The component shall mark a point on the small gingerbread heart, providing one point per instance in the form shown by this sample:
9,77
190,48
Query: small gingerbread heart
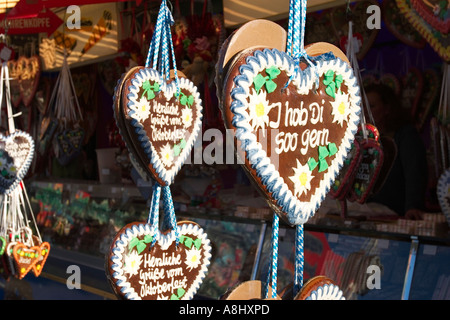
248,290
164,122
148,265
16,154
43,251
25,257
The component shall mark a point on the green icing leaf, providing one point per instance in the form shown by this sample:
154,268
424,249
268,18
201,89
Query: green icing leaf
259,81
182,144
330,90
188,242
140,246
270,86
174,297
183,99
133,243
312,164
190,100
198,243
273,72
332,149
148,238
323,165
176,150
323,152
329,74
338,80
180,292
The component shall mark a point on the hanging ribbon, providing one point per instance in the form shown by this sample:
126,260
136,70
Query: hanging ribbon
272,275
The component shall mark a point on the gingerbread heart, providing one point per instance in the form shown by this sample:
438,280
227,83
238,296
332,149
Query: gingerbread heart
29,77
339,21
147,265
43,251
435,12
165,125
70,144
294,130
399,26
369,166
443,193
347,173
25,257
320,288
16,154
439,41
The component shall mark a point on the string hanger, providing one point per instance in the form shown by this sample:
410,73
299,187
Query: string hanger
161,54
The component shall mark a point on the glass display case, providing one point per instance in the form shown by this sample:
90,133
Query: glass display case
80,219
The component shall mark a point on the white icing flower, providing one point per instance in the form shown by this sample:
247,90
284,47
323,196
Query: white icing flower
141,109
132,263
341,108
186,116
302,179
167,155
193,258
259,110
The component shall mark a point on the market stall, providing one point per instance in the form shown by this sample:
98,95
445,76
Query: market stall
87,182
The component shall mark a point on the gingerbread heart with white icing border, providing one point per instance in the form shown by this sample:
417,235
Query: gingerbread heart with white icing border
43,252
306,124
25,258
16,155
165,126
320,288
144,265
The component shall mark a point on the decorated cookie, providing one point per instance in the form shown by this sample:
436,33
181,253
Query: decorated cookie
161,125
43,251
25,258
29,77
370,164
320,288
16,154
248,290
144,265
294,125
443,193
399,26
435,12
70,143
347,173
438,40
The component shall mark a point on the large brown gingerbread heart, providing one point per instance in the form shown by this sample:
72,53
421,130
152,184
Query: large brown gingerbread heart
29,77
148,265
293,130
161,126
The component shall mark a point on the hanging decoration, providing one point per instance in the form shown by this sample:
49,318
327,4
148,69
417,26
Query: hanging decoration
436,33
359,14
158,113
267,95
22,249
63,122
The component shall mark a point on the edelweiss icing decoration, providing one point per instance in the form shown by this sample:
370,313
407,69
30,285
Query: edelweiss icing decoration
310,121
146,264
166,124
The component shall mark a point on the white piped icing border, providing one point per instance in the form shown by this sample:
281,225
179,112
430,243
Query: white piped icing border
168,90
164,240
297,212
6,187
326,292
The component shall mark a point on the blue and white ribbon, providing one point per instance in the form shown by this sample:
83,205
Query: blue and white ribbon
272,275
161,49
299,259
